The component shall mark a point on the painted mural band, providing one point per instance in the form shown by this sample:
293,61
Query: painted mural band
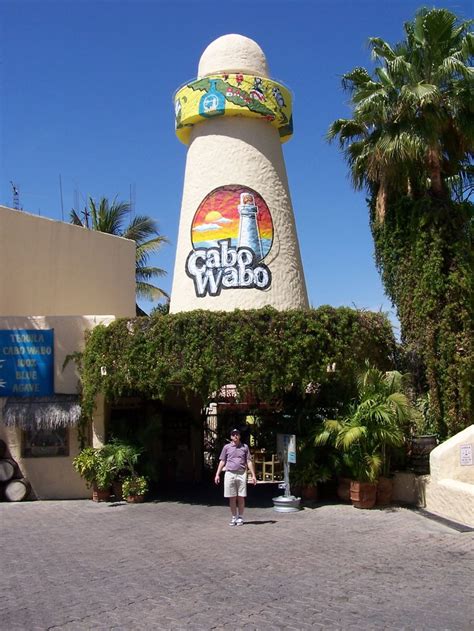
231,234
233,94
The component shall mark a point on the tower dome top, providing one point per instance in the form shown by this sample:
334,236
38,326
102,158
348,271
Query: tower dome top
233,53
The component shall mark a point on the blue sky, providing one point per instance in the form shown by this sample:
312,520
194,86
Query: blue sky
87,91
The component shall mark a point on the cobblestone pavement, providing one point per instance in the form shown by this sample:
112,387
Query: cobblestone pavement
174,565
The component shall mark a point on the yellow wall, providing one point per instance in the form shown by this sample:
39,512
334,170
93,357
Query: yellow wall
54,268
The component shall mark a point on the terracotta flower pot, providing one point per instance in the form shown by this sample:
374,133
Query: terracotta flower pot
384,492
100,495
344,489
363,494
309,492
296,489
135,499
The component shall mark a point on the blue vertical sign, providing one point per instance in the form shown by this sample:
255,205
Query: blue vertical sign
286,447
26,363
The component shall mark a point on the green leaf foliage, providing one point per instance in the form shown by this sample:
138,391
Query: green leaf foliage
376,422
425,256
266,352
410,144
134,485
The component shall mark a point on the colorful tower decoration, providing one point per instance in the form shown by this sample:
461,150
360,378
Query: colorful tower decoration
237,244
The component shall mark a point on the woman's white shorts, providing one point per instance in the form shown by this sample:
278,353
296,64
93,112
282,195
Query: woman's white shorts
235,484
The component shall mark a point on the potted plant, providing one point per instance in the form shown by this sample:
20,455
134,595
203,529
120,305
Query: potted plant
305,478
134,488
374,424
345,472
93,466
122,458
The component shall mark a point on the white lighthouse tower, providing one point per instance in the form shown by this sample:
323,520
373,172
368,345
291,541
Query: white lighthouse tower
237,244
249,236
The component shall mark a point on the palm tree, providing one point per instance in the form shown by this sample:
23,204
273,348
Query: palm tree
412,126
375,422
110,218
410,144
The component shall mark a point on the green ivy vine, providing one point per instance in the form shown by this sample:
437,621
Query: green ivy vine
265,352
424,253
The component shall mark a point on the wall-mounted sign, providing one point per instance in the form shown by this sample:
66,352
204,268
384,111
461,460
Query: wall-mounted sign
26,362
466,455
231,234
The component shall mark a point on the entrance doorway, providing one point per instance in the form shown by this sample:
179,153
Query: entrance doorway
169,435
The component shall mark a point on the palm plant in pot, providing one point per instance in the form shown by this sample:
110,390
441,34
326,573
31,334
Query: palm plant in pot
97,471
123,458
373,425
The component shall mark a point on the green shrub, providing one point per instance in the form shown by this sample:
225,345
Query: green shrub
134,485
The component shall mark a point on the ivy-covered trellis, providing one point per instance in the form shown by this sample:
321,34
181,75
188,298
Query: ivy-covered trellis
266,352
424,253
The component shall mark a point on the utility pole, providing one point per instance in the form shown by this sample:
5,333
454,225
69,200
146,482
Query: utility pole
61,196
86,215
16,196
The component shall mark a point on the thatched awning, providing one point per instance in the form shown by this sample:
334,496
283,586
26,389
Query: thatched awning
60,410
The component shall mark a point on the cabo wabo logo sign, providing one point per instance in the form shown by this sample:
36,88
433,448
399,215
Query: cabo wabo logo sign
231,233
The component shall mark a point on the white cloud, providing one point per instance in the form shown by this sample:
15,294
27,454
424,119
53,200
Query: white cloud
224,220
206,226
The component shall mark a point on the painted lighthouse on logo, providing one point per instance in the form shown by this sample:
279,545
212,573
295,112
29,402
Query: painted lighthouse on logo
237,243
249,236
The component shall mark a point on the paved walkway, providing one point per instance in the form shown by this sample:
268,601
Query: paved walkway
173,565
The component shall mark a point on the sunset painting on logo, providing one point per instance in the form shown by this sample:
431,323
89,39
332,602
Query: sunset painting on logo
217,218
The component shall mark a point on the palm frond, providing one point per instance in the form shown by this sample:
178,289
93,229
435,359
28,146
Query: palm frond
385,79
141,229
146,273
373,466
424,92
107,217
149,291
355,79
380,48
75,219
346,129
350,435
152,245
